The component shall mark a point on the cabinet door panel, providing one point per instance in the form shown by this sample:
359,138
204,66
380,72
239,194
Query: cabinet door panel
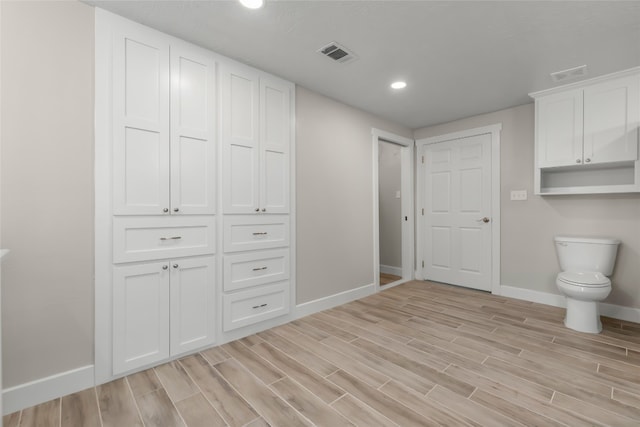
240,100
140,316
559,129
275,120
611,115
140,124
193,131
192,304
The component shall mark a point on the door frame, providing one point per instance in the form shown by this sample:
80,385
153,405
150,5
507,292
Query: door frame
407,209
494,131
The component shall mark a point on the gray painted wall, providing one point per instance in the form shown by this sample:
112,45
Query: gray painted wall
528,258
47,188
334,192
390,207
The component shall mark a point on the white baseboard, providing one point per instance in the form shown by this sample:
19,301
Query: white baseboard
619,312
331,301
42,390
533,296
388,269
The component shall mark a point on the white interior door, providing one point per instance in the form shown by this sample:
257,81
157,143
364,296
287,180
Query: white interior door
457,211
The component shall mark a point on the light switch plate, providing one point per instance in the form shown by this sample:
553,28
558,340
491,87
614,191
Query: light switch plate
518,194
397,194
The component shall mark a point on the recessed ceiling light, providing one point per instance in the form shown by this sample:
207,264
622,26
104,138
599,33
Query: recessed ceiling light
252,4
398,85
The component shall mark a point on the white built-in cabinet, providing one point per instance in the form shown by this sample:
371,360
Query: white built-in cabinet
164,198
193,198
256,146
256,135
161,308
587,136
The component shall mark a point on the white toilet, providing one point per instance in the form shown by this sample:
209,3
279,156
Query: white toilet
585,264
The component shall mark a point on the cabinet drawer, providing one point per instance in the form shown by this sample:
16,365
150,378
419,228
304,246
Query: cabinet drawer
148,238
242,233
258,268
255,305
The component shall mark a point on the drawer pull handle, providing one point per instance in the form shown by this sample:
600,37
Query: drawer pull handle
263,233
260,306
171,238
259,268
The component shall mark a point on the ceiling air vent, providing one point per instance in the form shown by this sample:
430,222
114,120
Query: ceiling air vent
570,74
337,52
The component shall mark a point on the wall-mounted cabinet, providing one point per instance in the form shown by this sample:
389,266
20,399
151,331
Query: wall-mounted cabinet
587,136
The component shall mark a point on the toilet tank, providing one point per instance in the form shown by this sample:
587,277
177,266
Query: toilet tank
586,254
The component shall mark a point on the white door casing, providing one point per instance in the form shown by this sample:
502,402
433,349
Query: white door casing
458,208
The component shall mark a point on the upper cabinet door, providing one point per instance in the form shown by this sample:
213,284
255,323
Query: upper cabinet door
611,115
240,140
559,129
275,136
193,178
140,123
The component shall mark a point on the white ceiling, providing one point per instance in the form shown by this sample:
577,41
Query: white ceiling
458,58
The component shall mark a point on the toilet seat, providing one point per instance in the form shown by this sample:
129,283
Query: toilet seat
588,279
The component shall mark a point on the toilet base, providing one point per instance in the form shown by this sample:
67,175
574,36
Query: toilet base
583,316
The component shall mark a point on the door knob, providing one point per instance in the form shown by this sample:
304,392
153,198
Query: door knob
176,209
485,220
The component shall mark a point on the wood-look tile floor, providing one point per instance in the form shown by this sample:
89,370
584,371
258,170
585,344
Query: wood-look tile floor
417,354
386,278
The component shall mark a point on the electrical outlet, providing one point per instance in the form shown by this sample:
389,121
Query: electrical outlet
518,194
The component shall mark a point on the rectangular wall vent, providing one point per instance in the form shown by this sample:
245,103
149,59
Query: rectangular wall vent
570,74
337,53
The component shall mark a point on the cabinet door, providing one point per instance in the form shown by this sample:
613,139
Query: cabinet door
193,178
240,144
611,115
275,135
140,123
559,129
192,303
140,315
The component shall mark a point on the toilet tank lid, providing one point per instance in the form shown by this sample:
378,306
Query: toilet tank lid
593,240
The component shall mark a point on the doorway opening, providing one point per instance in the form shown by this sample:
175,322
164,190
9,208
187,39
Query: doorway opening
393,209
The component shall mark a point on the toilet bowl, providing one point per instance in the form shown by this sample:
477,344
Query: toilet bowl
586,263
583,291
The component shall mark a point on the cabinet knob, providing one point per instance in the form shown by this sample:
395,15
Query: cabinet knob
578,161
587,160
264,209
165,210
257,209
176,209
164,267
175,265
